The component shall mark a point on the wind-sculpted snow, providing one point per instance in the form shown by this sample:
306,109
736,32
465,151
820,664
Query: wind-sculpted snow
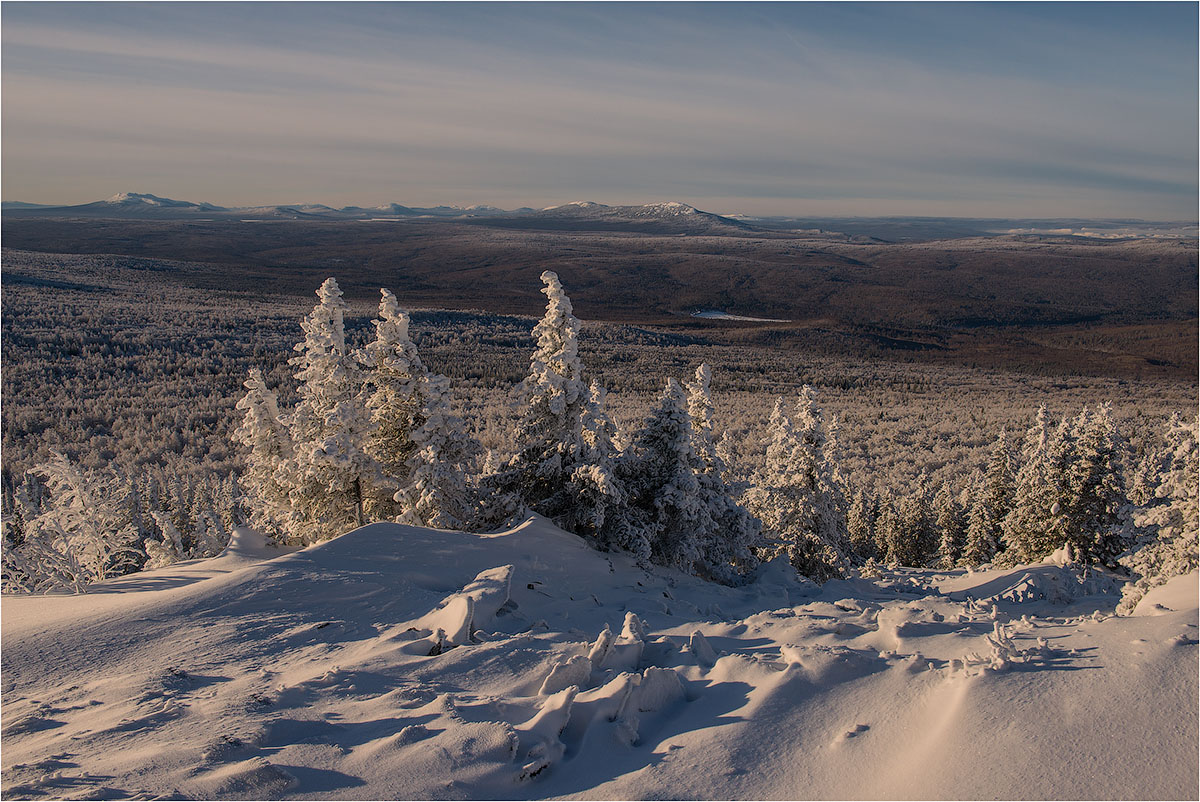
398,662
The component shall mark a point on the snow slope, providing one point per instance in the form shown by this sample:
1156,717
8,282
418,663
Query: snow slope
405,663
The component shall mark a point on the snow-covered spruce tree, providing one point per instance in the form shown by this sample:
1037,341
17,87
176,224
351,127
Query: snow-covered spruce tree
83,534
860,526
438,492
981,544
795,495
553,397
683,514
392,373
888,537
336,485
998,480
599,493
992,501
1170,518
1031,528
424,450
948,522
907,530
269,446
700,410
1094,490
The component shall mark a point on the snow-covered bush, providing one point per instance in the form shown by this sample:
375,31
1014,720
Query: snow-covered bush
86,531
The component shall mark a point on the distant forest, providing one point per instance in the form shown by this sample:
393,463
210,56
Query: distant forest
1053,305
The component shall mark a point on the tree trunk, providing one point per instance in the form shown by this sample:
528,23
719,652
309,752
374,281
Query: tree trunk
358,503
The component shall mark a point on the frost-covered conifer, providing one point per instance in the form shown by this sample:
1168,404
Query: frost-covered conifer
998,480
1029,529
981,545
1170,519
700,410
553,397
269,449
991,503
949,525
683,515
888,535
860,526
905,530
393,374
795,495
1071,491
336,485
438,492
599,493
1094,489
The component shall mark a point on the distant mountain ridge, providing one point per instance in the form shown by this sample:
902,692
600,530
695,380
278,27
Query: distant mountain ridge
659,218
137,205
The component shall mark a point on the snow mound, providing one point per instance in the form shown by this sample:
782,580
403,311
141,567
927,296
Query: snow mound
1051,582
1177,593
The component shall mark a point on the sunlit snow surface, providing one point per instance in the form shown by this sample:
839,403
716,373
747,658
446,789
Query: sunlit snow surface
404,663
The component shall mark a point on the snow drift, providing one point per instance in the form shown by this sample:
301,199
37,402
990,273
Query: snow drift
403,662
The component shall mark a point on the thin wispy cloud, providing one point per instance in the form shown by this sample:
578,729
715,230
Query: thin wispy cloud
1078,110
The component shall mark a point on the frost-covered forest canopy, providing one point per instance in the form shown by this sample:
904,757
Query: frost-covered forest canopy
172,415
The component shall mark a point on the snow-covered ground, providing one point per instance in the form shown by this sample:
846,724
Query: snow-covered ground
397,662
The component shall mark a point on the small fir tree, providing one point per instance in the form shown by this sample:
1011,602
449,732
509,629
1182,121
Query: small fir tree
684,516
439,492
948,522
796,496
269,450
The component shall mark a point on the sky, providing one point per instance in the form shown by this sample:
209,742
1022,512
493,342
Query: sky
934,109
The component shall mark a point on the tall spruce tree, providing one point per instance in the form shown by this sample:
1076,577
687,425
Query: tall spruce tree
1029,530
337,484
438,491
991,503
700,410
393,374
1170,518
418,441
981,545
860,526
1094,489
553,397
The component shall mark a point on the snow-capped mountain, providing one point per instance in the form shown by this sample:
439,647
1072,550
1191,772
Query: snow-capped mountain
670,217
137,199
